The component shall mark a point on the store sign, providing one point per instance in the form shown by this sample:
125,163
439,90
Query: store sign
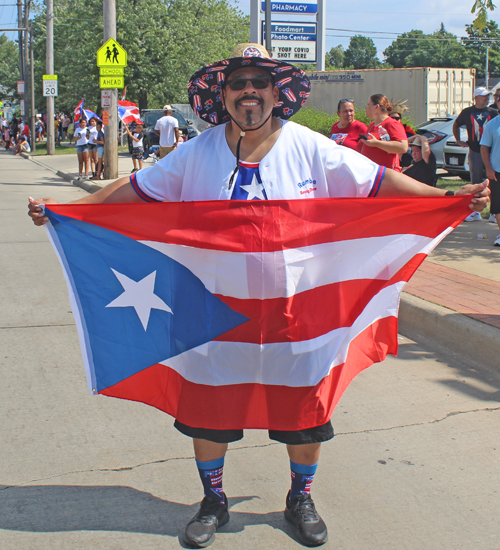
294,42
298,8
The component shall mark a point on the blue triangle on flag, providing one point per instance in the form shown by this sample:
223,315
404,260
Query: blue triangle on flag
118,344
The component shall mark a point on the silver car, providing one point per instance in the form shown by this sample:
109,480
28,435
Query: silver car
456,157
438,131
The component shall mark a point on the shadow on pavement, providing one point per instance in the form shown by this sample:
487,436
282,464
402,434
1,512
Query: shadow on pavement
59,508
469,379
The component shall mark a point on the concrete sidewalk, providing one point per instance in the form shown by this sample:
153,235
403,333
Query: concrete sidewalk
453,299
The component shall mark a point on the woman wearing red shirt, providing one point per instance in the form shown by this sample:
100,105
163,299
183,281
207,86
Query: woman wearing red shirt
346,131
386,136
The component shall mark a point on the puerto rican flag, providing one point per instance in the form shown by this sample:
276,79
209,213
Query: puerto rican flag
242,314
88,114
128,112
79,111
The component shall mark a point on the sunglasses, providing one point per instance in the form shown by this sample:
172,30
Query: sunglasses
257,82
346,101
396,117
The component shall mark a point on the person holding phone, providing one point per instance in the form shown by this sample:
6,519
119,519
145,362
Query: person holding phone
386,138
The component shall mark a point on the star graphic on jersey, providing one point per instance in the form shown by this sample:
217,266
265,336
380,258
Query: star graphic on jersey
480,116
139,295
255,190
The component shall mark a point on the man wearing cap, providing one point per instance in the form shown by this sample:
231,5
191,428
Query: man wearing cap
474,118
254,153
423,167
167,127
490,152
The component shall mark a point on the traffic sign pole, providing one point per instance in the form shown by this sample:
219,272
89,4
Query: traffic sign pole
111,130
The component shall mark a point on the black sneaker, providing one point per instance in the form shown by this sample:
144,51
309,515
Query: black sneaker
310,528
200,531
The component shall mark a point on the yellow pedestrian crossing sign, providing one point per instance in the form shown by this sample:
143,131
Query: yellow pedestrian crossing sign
111,54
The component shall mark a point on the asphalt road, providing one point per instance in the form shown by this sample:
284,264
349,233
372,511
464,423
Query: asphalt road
414,464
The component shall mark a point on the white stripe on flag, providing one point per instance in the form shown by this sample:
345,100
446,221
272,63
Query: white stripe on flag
289,272
294,364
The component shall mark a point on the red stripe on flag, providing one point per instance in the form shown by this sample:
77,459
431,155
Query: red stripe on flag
257,406
261,226
311,313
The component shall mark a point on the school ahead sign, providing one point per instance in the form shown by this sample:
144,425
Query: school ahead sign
111,54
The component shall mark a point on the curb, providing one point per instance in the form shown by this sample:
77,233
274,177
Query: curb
465,337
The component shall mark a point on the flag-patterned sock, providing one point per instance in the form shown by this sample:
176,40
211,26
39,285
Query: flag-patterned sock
302,478
211,477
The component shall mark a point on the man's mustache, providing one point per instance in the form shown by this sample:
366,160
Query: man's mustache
249,98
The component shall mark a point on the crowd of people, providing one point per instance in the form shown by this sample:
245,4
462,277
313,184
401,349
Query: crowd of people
391,143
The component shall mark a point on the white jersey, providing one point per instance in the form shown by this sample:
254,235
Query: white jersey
166,125
301,164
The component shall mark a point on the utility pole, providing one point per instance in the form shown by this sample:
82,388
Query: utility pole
20,41
49,67
27,110
486,69
111,130
267,19
32,93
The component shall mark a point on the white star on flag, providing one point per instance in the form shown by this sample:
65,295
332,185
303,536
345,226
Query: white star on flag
255,190
139,295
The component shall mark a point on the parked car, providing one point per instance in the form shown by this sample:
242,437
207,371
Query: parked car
150,117
438,130
456,157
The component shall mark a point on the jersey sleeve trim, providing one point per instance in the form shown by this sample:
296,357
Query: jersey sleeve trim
139,191
378,180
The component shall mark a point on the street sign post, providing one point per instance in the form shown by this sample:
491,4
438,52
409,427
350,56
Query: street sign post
294,42
50,85
306,7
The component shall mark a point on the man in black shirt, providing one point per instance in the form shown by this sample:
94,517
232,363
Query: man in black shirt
474,118
423,167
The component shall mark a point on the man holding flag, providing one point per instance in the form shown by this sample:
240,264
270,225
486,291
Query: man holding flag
254,154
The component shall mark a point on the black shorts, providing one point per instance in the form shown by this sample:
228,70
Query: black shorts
495,195
317,434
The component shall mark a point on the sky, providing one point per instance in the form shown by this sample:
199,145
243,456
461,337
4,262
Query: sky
381,21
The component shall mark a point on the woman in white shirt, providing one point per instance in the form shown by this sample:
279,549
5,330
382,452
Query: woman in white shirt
82,135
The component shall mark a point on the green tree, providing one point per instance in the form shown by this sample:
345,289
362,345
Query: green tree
476,44
361,53
9,68
416,49
480,8
166,41
334,59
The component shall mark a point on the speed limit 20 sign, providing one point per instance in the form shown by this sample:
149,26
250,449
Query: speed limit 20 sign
50,85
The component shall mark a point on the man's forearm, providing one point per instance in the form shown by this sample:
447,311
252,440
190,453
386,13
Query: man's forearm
121,191
396,184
